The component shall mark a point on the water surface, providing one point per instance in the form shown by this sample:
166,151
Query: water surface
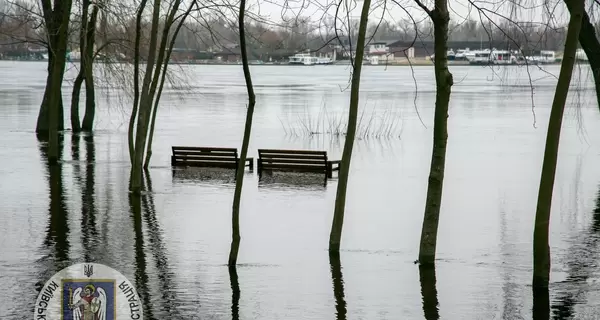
173,242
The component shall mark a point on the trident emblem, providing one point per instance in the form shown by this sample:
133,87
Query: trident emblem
88,270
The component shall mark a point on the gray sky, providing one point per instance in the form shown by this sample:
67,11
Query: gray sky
535,11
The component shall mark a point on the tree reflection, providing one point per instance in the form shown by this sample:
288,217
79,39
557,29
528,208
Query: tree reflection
57,232
541,303
582,264
235,292
141,276
429,292
88,206
158,250
338,285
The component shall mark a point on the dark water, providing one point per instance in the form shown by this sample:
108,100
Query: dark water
173,241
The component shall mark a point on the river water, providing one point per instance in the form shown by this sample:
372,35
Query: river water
173,243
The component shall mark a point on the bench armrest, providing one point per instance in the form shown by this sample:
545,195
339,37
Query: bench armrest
334,161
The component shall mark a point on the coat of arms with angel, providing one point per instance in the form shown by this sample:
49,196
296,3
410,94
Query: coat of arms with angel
87,303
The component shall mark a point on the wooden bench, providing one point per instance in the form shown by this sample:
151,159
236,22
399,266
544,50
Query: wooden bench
296,160
207,157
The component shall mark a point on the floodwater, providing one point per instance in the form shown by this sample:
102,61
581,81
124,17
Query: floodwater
173,242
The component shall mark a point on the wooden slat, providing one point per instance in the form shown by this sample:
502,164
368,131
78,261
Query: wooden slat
292,156
206,149
204,157
279,151
218,153
189,158
298,161
298,167
207,164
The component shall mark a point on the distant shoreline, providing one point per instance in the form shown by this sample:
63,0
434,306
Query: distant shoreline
404,63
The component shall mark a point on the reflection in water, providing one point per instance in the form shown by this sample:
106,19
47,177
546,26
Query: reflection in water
57,236
511,308
541,304
141,276
338,285
165,277
293,180
429,292
582,264
88,208
211,175
235,293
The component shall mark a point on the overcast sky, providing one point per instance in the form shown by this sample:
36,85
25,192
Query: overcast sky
526,11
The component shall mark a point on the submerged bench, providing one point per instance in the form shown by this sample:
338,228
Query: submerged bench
296,160
207,157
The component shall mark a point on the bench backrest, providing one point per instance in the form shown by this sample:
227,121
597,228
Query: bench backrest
190,154
309,158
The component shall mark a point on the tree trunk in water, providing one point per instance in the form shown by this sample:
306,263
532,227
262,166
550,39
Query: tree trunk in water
541,249
165,63
239,175
590,44
43,125
136,80
88,65
340,199
145,106
75,121
75,126
443,81
55,77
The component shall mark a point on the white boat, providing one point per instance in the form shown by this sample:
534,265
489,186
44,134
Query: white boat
493,56
307,59
545,56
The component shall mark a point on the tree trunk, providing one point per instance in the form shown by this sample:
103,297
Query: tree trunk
88,65
590,44
57,22
340,199
75,121
165,63
42,128
443,81
541,248
75,125
144,107
43,124
55,94
136,79
239,176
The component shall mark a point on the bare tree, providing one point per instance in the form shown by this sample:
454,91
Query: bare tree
50,118
541,248
239,179
590,44
340,198
443,79
87,35
148,96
